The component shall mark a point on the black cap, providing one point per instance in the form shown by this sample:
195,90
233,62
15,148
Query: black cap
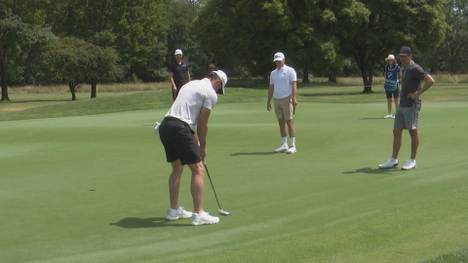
405,50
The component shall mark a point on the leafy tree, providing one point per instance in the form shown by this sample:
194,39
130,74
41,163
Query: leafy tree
452,54
137,29
76,61
369,29
244,32
19,42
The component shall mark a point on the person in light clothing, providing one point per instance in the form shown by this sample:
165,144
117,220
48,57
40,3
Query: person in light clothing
183,134
392,76
283,88
415,82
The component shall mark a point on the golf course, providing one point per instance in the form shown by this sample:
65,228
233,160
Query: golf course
87,181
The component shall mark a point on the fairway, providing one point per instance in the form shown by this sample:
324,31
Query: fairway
93,188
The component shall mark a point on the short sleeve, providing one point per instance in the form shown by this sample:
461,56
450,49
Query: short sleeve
419,73
210,100
271,78
292,75
170,68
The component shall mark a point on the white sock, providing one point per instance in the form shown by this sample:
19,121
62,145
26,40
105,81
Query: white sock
284,140
293,141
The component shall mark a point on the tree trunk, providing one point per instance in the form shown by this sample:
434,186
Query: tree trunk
332,77
3,81
72,87
366,71
93,89
305,75
367,79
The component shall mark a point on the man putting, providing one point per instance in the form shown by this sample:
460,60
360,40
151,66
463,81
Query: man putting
283,87
189,113
407,115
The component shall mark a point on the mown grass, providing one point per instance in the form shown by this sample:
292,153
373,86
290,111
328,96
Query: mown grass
54,101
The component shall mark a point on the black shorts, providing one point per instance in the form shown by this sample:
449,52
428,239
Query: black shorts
179,141
395,94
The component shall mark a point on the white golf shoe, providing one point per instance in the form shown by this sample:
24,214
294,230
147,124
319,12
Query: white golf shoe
283,148
203,218
390,163
174,214
292,150
388,116
410,164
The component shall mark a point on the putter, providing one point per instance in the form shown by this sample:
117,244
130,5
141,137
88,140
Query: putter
220,209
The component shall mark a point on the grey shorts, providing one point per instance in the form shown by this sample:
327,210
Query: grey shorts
407,117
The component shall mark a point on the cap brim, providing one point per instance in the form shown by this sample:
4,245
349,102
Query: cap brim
277,59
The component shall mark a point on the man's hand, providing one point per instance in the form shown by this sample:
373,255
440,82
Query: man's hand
294,104
414,96
268,106
203,154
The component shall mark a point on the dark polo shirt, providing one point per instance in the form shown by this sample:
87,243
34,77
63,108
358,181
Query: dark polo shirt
413,75
179,72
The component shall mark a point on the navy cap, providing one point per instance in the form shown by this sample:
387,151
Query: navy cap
405,50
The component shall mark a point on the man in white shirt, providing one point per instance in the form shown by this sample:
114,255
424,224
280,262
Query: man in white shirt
189,113
283,87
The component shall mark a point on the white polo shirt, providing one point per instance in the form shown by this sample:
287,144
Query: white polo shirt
281,80
192,97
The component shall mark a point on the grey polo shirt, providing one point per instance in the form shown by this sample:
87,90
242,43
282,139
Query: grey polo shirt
413,75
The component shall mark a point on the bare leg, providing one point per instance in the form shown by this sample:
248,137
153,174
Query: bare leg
174,183
396,142
291,129
414,143
397,103
197,186
389,105
282,127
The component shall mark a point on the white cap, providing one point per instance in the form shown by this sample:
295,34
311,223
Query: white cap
223,78
279,56
390,57
178,52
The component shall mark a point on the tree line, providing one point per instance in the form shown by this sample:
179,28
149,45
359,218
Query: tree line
95,41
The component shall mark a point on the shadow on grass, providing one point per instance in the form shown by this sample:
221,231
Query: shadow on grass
253,153
369,170
136,222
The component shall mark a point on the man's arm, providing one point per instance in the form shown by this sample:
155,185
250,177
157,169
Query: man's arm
270,96
293,94
171,79
202,130
427,84
188,76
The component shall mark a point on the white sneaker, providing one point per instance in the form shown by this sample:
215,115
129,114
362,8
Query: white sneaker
283,148
291,150
393,116
204,218
410,164
388,116
174,214
390,163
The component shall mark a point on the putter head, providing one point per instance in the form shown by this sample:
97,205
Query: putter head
223,212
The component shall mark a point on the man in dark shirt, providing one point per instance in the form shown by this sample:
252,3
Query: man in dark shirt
415,82
178,74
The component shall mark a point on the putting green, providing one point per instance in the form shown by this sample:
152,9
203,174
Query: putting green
94,189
